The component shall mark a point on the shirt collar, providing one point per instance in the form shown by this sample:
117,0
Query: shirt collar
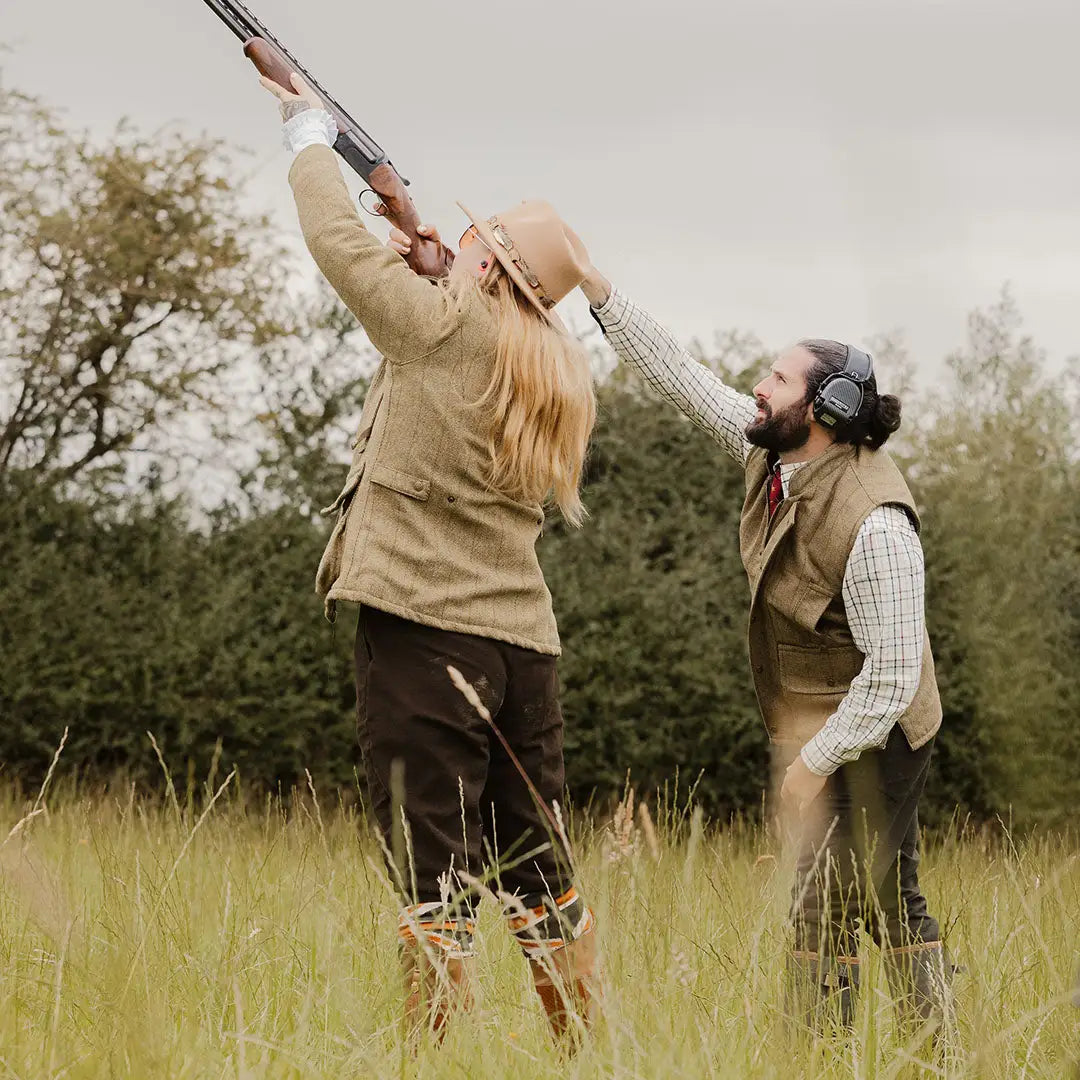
786,472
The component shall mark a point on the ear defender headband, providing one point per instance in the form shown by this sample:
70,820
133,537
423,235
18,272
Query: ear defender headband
840,396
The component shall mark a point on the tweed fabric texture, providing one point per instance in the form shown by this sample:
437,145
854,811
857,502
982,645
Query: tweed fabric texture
802,654
420,533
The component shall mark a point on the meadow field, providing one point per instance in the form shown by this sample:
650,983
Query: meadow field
203,937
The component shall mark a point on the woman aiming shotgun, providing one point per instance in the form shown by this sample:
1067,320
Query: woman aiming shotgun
480,412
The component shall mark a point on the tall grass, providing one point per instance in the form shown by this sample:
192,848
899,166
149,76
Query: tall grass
219,939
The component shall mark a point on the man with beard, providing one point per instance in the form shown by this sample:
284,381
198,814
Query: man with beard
841,661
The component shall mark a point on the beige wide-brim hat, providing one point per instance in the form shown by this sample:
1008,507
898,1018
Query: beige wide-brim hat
544,257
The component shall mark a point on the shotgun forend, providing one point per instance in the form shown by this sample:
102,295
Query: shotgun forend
360,151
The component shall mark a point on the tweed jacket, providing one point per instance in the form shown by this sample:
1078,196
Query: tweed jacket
419,531
802,654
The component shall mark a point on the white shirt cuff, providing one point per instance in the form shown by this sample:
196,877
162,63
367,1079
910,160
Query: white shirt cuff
312,127
817,759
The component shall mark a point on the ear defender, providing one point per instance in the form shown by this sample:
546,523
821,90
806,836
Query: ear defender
840,397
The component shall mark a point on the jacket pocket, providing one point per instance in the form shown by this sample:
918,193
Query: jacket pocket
801,602
808,670
401,482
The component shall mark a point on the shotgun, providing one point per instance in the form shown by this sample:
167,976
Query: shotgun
360,151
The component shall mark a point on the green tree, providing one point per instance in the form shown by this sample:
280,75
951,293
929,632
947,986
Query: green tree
131,283
311,387
135,295
997,469
120,622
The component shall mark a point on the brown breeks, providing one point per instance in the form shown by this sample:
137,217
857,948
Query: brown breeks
859,861
465,803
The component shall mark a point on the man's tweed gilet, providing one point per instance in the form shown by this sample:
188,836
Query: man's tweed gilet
802,655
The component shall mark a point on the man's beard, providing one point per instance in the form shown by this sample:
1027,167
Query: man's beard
782,431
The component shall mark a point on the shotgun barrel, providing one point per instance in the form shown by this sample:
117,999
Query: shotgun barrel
354,144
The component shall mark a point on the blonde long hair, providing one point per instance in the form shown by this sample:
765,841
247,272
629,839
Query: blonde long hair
540,402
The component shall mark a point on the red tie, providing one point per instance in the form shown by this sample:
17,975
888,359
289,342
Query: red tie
776,492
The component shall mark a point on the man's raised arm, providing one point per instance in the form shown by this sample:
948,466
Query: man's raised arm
654,353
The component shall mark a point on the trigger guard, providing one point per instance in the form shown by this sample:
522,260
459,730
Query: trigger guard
370,209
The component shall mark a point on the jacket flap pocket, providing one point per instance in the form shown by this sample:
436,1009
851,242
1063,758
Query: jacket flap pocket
401,482
805,670
800,602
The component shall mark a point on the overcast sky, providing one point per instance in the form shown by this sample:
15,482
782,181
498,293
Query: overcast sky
829,169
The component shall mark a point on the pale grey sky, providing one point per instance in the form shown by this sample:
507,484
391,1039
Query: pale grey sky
834,169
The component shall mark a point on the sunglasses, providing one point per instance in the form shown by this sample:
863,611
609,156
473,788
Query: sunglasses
469,236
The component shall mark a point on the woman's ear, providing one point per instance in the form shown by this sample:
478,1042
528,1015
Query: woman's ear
489,271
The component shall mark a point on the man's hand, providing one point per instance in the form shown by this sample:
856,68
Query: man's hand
596,288
291,104
801,786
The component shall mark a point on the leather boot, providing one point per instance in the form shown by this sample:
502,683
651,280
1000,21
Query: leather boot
435,988
920,979
820,990
566,983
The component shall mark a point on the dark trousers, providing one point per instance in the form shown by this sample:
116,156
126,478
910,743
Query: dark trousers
858,862
463,798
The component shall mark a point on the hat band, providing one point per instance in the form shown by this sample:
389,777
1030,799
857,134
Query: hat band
506,242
